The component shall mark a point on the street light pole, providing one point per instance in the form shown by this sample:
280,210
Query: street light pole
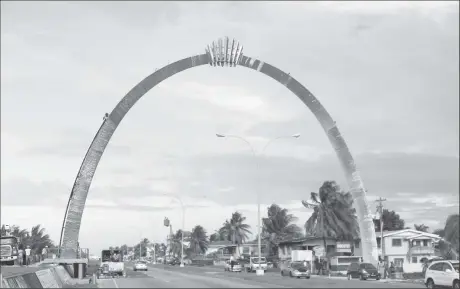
259,242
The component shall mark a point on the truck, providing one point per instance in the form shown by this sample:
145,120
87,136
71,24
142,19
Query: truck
255,265
112,264
9,250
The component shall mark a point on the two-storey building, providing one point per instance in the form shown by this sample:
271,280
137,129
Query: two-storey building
405,247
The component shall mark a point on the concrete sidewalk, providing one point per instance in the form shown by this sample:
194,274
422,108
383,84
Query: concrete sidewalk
415,281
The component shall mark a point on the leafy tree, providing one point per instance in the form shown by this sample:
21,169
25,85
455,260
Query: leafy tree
177,243
421,227
141,248
199,240
439,232
124,249
391,221
452,231
278,226
236,230
333,215
163,249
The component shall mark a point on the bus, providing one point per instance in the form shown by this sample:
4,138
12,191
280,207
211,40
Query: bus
339,264
9,250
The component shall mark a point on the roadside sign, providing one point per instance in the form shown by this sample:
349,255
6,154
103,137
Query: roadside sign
343,247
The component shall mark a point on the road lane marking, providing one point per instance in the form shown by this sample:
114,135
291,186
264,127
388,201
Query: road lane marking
115,283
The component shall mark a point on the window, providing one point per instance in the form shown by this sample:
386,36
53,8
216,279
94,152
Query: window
354,266
425,243
436,267
379,243
446,266
417,243
357,244
396,242
414,259
399,262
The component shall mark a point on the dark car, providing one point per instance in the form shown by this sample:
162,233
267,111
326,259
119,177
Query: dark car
362,271
174,262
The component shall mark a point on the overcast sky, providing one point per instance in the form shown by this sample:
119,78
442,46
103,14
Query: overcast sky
386,72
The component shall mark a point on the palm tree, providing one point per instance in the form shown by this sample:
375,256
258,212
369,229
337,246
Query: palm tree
38,239
333,215
199,240
236,230
421,227
217,236
278,226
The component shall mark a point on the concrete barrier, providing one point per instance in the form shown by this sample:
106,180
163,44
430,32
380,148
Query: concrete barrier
55,277
47,278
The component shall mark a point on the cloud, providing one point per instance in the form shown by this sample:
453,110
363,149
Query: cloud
375,73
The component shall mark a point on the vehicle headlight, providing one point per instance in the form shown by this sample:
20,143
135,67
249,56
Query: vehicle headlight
364,272
295,271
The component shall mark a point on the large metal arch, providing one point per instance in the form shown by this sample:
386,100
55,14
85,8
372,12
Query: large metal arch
75,207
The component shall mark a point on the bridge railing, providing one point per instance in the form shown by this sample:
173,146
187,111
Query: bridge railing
53,253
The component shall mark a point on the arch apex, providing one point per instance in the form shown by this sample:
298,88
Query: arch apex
224,52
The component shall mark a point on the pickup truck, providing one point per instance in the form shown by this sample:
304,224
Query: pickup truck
112,264
254,264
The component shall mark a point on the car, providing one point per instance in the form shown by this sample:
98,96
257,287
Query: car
140,266
297,269
174,262
236,266
362,271
254,265
443,273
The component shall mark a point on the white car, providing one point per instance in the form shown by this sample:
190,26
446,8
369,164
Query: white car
140,266
236,266
443,273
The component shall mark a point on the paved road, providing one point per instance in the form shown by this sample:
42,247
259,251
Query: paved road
160,276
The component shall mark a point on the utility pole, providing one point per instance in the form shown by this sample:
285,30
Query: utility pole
140,250
380,210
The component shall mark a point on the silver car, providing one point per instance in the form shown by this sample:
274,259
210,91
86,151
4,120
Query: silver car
297,269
